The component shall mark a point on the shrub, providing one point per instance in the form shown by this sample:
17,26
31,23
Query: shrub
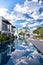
2,37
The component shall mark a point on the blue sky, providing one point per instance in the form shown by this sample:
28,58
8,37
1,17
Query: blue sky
10,4
23,12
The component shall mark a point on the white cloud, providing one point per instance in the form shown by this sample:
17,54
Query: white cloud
35,0
26,8
41,22
13,17
17,16
21,9
42,14
3,12
29,7
34,28
28,19
35,15
40,2
24,24
34,24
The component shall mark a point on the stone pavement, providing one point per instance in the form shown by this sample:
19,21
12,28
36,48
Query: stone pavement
38,44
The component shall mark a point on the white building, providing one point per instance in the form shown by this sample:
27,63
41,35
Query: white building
6,27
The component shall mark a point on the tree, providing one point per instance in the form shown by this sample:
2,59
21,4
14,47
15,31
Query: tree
39,31
22,33
36,31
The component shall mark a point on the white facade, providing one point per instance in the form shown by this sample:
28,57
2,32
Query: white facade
5,26
0,23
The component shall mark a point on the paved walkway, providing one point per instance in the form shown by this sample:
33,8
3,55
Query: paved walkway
38,44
